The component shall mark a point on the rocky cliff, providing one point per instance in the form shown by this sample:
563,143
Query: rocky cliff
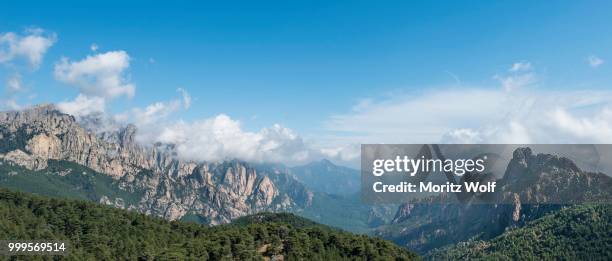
170,187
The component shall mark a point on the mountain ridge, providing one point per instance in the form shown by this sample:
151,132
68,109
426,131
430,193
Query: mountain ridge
219,191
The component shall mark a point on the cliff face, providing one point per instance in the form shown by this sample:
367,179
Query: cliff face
170,187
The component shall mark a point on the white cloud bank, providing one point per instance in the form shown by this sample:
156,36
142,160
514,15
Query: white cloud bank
221,138
480,115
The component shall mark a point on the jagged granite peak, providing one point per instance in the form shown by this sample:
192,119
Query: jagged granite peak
545,178
170,187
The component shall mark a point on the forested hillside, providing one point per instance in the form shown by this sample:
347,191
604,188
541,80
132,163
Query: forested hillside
100,232
576,233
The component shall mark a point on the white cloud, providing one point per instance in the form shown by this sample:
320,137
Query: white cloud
12,104
156,114
463,136
478,115
213,139
520,66
221,138
520,75
344,153
418,117
101,75
186,98
14,84
30,46
26,49
93,47
596,127
514,82
594,61
83,105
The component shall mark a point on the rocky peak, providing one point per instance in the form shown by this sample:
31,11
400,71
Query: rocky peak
545,178
525,164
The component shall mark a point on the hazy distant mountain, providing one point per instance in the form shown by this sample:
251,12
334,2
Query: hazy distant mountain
324,176
535,179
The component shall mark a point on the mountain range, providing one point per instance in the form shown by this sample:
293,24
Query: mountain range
58,154
50,153
159,183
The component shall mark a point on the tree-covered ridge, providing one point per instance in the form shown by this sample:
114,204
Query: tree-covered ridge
582,232
104,233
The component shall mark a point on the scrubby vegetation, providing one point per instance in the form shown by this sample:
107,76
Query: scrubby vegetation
576,233
102,233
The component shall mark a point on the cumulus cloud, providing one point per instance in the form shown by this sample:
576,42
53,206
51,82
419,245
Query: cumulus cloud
222,138
594,61
27,48
100,75
30,46
216,138
83,105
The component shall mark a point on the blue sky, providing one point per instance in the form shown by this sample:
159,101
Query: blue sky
310,65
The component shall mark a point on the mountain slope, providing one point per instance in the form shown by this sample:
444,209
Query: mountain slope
577,233
100,232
